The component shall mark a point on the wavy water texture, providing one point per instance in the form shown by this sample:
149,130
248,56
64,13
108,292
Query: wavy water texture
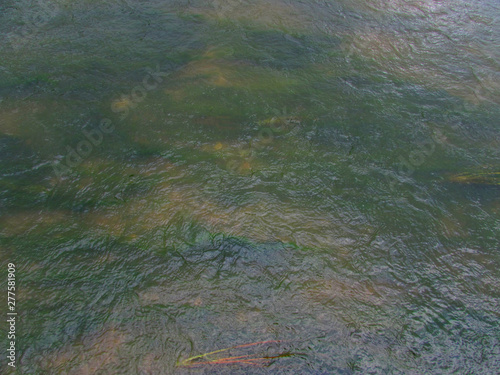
321,177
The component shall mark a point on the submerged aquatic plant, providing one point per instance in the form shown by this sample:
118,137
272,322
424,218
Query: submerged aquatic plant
248,359
479,178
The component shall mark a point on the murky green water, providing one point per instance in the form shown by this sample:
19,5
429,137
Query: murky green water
179,177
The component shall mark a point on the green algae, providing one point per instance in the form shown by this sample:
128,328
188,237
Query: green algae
203,178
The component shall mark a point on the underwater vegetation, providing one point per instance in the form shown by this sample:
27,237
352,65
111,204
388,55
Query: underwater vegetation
244,195
477,177
256,359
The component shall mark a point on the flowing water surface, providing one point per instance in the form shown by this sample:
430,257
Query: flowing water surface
179,177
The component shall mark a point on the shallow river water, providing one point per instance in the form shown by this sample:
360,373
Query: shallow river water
320,178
